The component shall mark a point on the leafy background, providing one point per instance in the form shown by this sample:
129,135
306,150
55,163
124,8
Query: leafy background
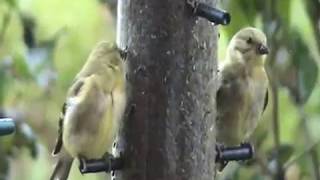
287,138
42,46
44,43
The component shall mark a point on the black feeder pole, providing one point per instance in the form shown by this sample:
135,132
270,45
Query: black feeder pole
243,152
217,16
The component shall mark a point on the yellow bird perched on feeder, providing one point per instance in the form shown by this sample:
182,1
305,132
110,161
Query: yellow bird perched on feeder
93,109
243,94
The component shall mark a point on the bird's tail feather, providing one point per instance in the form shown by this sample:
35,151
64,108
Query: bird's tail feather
62,168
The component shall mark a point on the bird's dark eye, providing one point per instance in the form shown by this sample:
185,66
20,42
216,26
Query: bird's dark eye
249,41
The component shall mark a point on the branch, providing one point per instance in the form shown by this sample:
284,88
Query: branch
313,152
263,164
297,157
271,15
275,123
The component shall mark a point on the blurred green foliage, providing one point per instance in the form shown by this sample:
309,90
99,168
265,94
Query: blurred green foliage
42,46
44,43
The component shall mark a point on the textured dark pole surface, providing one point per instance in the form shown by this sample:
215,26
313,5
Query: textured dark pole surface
168,130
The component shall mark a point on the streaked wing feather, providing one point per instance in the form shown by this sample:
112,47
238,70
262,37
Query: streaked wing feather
59,142
74,90
266,99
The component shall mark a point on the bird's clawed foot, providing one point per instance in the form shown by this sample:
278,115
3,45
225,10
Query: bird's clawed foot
124,53
220,163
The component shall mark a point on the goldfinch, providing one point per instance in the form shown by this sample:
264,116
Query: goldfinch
93,109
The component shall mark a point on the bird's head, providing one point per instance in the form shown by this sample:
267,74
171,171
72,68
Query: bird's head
108,53
251,44
114,58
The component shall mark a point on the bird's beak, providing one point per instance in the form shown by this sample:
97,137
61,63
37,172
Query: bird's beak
262,49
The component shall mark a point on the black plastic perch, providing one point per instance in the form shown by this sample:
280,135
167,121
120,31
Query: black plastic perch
237,153
7,126
217,16
100,165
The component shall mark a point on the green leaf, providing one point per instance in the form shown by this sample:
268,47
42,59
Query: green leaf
12,3
20,68
4,167
306,68
5,68
3,83
249,9
257,177
283,10
260,137
285,152
243,13
25,137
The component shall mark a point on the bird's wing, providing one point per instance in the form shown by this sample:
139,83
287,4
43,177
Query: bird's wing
75,88
59,143
90,102
231,101
257,107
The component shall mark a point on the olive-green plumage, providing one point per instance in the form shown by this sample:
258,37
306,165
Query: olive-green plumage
242,96
93,109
